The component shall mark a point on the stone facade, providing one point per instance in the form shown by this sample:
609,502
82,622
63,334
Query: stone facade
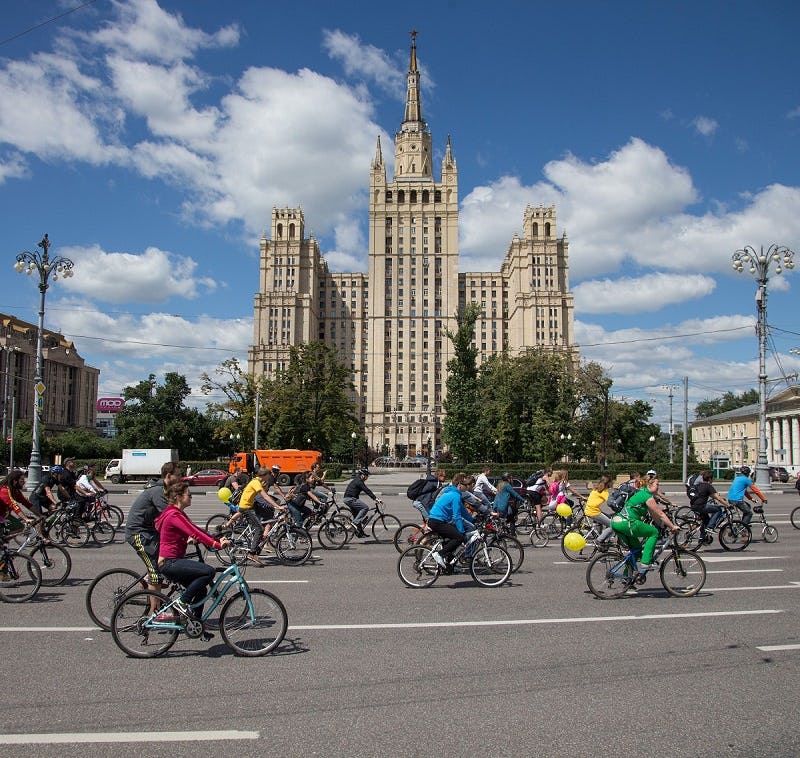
70,397
390,324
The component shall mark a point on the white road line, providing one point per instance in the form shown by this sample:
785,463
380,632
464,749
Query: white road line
292,581
64,738
770,648
745,571
530,622
793,586
721,558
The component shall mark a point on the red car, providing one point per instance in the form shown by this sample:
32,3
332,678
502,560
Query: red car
212,477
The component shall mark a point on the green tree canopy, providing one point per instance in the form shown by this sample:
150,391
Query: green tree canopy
728,402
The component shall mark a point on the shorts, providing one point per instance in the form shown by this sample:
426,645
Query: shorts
146,547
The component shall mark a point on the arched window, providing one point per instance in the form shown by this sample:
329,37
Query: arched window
413,196
291,231
547,229
401,196
535,229
437,196
425,196
280,231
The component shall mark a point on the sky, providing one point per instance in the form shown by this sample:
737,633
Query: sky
151,140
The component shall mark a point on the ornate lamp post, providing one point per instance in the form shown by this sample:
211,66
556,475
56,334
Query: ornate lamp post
758,264
353,436
41,263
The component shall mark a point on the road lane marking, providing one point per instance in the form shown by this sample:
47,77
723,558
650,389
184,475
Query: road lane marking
771,648
745,571
530,622
64,738
721,558
791,586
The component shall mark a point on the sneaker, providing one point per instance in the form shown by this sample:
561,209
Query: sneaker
183,609
632,588
437,556
207,635
165,617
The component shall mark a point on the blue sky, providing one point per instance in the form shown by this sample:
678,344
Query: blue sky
151,141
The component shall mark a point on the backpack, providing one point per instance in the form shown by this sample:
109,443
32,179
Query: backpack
415,489
618,496
533,478
691,486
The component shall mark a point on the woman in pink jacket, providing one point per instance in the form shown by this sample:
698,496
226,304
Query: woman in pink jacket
175,530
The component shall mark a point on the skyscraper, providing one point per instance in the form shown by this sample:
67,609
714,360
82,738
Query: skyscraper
389,325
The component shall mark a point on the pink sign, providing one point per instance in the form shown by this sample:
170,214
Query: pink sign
110,404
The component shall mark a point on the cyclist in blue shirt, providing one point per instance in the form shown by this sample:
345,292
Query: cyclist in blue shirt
447,517
741,487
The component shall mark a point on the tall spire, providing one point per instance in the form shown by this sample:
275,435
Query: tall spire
378,162
413,117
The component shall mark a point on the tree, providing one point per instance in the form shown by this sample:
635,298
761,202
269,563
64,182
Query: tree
309,400
728,402
461,431
155,415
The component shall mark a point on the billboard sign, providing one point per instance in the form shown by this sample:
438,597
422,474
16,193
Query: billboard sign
110,404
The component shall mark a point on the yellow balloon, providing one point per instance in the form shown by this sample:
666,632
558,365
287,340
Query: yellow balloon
574,541
563,510
224,494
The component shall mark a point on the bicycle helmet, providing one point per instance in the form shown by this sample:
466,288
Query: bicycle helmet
276,468
56,469
745,470
363,472
507,476
652,472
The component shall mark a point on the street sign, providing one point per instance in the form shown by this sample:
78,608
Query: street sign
40,388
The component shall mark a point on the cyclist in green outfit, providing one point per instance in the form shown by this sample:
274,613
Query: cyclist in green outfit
632,523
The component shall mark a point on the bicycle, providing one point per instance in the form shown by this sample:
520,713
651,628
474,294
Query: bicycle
252,622
613,573
332,532
489,565
54,561
589,530
383,526
410,534
20,575
794,517
292,544
768,532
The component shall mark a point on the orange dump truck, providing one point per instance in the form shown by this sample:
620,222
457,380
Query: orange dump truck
292,462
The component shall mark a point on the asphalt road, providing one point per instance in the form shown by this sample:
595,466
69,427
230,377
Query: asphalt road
370,667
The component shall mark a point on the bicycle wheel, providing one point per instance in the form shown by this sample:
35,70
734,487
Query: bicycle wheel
608,574
539,537
73,533
526,521
106,590
683,573
407,536
514,549
490,566
684,512
552,525
20,579
113,514
136,628
384,527
332,534
735,535
294,546
215,522
103,533
54,563
417,568
769,533
689,535
256,627
794,517
586,553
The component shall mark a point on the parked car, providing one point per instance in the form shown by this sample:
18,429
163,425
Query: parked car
384,460
211,477
778,474
517,484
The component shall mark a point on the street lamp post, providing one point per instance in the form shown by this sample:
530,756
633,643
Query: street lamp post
758,264
42,264
353,436
671,390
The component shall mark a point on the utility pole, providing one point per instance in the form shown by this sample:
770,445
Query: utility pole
671,388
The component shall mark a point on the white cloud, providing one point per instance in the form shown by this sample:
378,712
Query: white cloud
650,292
367,61
150,277
705,125
12,166
142,29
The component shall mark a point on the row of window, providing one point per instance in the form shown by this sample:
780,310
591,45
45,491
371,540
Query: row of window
414,196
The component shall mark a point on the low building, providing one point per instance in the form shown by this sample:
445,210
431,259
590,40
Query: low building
70,395
730,439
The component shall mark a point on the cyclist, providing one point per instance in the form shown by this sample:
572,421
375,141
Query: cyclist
483,488
703,502
11,497
661,499
176,530
355,487
503,500
254,505
44,497
740,488
297,500
448,518
632,528
140,527
593,507
539,491
430,491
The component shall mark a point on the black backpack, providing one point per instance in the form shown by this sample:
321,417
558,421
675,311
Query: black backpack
416,488
533,478
618,496
691,486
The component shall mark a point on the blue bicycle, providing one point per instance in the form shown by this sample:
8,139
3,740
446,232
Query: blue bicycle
146,623
613,573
